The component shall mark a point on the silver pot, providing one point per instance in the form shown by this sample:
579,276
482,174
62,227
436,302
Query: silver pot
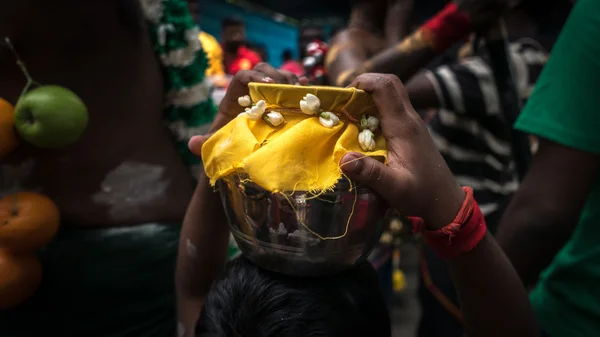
301,235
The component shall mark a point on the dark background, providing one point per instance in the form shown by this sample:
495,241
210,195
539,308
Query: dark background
307,9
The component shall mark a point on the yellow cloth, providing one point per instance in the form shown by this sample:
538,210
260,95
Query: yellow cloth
214,53
301,155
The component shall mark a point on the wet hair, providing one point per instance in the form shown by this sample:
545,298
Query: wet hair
251,302
232,21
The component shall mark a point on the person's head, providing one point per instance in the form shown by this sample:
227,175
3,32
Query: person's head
233,33
249,301
308,34
194,8
286,55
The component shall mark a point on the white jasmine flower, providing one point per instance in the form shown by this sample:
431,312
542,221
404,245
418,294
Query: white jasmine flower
310,104
366,140
255,112
369,122
262,105
244,101
274,118
328,119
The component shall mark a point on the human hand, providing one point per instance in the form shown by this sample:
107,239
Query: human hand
416,181
230,108
483,13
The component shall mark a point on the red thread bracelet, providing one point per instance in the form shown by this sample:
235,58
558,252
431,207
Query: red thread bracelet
462,235
448,27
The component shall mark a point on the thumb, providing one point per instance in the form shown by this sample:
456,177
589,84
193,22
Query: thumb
195,144
368,171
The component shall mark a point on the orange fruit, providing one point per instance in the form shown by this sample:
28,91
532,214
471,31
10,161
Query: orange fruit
28,221
20,276
8,135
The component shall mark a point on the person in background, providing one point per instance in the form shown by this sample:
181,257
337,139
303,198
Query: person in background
290,64
551,229
215,70
309,33
237,55
313,48
122,187
259,49
468,126
471,133
214,53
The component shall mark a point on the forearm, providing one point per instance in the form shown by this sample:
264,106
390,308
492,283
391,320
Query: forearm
531,238
403,59
493,299
422,94
202,251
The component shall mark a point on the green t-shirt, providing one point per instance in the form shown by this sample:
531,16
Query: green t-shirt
564,108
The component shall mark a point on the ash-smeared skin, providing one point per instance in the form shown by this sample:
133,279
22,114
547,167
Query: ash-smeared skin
101,51
130,186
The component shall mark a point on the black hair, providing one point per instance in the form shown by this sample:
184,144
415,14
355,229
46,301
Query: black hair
251,302
232,21
287,55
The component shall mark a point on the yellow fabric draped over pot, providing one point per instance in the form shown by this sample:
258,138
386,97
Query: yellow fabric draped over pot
300,155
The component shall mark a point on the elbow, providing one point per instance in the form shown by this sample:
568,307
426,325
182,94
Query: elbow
538,217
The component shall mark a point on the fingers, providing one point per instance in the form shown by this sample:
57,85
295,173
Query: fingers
195,144
290,77
370,172
387,92
304,81
279,76
263,73
239,87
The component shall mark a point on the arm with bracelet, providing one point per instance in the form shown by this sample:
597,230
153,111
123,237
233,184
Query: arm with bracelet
451,25
417,181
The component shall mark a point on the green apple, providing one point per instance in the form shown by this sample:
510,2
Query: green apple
50,116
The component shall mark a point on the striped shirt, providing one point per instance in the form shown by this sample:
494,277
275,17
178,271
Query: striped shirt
470,130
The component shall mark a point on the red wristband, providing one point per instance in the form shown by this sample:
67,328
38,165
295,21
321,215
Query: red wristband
462,235
449,26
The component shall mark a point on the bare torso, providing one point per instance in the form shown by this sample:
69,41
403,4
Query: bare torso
125,169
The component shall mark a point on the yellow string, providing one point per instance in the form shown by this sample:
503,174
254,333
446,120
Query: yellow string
352,161
325,238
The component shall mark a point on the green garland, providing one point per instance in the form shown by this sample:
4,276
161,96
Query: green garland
188,105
